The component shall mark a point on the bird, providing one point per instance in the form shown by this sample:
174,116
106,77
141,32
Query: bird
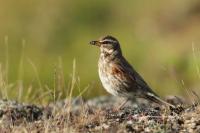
117,75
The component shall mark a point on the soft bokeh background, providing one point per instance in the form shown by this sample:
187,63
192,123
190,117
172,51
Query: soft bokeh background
39,39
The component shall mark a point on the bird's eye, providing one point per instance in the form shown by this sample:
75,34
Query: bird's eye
108,46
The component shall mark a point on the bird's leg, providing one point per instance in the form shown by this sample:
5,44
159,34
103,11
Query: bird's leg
122,104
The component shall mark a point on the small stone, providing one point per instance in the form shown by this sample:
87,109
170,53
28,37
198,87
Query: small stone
105,126
130,122
147,129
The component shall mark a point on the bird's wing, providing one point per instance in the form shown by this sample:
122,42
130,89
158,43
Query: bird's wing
123,70
134,82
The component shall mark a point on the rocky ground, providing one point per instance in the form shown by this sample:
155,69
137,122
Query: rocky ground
97,115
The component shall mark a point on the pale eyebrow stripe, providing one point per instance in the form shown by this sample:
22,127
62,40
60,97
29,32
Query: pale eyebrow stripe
108,40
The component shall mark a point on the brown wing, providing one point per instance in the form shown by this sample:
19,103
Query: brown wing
133,81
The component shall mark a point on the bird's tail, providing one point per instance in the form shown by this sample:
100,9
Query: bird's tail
157,99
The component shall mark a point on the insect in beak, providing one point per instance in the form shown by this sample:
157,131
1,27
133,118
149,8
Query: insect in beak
96,43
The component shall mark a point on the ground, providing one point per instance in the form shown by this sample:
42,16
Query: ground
97,115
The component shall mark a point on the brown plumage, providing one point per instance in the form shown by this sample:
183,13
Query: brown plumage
118,77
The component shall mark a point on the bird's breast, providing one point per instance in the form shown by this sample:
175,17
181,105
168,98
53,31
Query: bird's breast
109,81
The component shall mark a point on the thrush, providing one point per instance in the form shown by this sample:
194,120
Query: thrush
118,77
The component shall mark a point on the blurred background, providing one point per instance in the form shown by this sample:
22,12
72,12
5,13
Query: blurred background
40,39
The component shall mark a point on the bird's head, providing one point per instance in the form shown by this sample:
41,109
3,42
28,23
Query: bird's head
108,45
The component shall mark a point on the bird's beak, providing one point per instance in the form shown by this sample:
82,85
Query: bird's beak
96,43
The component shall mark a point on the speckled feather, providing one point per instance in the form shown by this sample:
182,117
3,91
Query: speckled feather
118,74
